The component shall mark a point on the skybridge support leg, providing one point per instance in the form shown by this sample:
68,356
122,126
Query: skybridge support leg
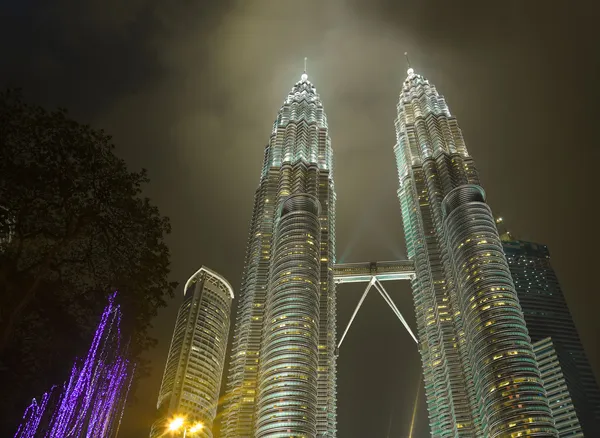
392,305
364,295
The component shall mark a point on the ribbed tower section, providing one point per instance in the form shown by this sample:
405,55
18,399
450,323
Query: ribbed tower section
282,379
481,378
287,389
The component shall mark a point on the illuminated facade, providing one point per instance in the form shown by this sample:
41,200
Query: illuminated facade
547,315
192,378
556,366
282,379
480,372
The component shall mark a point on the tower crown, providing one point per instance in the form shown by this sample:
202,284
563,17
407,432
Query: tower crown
300,130
303,90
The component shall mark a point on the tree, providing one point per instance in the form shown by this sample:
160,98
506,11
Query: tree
73,228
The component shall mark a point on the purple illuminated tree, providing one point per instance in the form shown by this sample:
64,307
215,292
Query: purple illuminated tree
91,402
74,226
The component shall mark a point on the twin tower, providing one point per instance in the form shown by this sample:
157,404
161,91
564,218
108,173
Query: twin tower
480,373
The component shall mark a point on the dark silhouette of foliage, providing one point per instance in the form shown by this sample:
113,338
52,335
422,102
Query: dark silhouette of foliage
73,228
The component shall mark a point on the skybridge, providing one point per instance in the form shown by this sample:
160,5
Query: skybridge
383,271
373,273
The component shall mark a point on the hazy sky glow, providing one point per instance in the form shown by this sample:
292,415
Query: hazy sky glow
190,90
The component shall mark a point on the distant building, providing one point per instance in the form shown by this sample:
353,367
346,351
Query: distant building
547,315
556,367
192,378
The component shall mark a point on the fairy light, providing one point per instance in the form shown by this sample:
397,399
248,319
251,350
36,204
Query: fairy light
91,402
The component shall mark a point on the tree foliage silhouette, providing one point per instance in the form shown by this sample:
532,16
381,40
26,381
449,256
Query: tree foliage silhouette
73,227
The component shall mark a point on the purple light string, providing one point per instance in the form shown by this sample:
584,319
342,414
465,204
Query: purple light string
91,402
124,400
115,383
33,416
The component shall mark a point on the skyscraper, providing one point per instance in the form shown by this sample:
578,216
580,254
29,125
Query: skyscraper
555,367
547,315
282,373
194,369
480,372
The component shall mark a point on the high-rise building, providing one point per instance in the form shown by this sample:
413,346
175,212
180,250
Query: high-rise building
192,378
480,372
547,315
556,366
282,379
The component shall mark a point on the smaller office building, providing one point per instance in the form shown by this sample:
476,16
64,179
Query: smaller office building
194,369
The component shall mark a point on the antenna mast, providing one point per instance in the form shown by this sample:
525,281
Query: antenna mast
407,60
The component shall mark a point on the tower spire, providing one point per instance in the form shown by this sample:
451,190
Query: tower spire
410,70
304,76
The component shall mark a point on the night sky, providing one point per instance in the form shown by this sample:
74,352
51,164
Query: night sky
190,89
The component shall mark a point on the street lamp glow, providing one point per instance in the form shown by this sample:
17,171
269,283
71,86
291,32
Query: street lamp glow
176,423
